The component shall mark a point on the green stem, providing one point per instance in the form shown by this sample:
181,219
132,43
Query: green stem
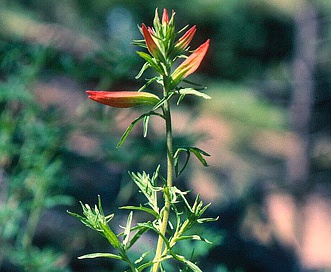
170,174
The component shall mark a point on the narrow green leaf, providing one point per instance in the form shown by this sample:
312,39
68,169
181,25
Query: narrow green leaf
193,237
101,255
128,130
145,265
151,61
139,260
140,231
192,83
145,125
127,230
143,209
182,259
205,220
110,235
176,160
143,69
147,83
199,154
149,225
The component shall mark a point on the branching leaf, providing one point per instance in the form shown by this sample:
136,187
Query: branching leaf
188,150
199,154
133,124
148,187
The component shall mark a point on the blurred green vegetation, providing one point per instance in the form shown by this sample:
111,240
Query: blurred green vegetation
53,150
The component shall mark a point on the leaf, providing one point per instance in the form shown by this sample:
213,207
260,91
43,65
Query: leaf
190,91
149,225
199,154
128,130
182,259
188,150
193,237
163,100
143,69
143,209
151,61
148,187
132,125
147,83
139,231
101,255
127,230
141,257
176,159
145,124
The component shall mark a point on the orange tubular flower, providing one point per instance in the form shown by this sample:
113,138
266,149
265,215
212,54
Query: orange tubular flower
185,40
190,65
165,17
123,99
153,48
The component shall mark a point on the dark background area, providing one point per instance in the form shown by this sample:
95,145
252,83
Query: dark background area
267,129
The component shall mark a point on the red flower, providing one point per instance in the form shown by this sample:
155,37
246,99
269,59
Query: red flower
190,65
150,43
123,99
185,40
165,17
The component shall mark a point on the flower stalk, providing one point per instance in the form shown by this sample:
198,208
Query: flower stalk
164,49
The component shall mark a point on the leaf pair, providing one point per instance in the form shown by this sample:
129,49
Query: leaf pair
188,150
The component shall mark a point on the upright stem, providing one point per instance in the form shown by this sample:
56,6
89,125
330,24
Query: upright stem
170,175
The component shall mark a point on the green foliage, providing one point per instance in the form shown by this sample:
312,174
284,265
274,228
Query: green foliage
30,165
184,219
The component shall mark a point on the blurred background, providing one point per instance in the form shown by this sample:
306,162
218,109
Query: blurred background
267,128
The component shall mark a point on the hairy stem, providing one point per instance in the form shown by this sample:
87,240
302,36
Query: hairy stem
170,175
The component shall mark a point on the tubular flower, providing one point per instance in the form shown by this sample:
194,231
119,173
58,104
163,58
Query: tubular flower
152,46
185,40
190,65
123,99
165,17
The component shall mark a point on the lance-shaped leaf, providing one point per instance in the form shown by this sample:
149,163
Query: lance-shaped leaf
190,65
123,99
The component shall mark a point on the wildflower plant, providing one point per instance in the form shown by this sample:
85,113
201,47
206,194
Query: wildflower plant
163,47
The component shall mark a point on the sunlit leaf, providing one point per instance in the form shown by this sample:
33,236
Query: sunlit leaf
101,255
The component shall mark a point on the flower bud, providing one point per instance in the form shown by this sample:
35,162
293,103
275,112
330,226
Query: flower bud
123,99
190,65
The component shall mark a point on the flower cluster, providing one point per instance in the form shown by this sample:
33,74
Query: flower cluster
164,48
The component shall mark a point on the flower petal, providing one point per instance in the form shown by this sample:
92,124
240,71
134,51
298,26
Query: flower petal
123,99
190,65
